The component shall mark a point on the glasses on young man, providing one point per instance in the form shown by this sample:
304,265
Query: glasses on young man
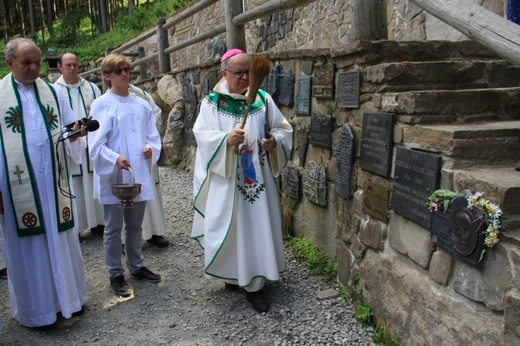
118,71
238,74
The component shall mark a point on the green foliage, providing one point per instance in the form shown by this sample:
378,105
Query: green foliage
312,257
383,335
364,313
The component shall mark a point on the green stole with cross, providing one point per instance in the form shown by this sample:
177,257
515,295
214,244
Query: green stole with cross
21,183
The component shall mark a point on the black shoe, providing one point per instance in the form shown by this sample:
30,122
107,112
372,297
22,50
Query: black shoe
3,273
145,274
231,287
158,240
120,286
258,300
46,328
99,229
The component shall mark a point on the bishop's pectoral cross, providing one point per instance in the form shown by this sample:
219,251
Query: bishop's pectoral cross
18,172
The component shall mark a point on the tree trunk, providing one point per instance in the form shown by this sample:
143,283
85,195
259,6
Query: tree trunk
50,16
32,17
4,19
103,13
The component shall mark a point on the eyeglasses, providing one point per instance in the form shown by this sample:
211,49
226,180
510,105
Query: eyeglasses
238,74
118,71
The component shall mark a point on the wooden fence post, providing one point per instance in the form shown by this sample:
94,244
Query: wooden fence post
104,85
142,66
162,42
368,19
235,35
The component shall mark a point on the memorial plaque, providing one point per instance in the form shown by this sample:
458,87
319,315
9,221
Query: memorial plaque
212,80
306,67
286,88
205,85
291,182
283,18
186,90
314,183
281,32
377,137
272,82
375,200
321,130
196,77
323,81
302,138
416,176
303,99
348,90
460,231
344,163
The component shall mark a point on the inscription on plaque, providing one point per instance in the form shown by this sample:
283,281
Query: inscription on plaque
344,163
376,143
348,90
375,200
302,138
323,81
196,77
191,104
460,231
303,99
286,88
291,182
416,177
272,82
321,130
314,182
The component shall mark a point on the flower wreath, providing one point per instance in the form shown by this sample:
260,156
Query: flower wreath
492,212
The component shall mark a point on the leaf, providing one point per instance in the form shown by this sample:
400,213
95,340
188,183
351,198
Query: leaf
482,255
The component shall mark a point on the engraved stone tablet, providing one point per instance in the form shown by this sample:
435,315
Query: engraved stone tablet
460,231
272,82
303,99
306,67
196,77
302,138
291,182
323,81
321,130
314,182
286,88
375,200
416,176
348,90
205,85
377,137
344,163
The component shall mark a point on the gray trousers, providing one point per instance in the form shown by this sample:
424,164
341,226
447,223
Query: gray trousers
112,244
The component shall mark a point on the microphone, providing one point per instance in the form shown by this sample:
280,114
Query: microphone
90,126
81,121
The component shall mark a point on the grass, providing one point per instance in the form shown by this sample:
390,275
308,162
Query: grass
312,257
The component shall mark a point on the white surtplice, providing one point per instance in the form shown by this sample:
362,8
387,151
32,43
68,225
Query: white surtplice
237,208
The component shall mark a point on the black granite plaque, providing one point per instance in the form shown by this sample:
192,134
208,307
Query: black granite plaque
303,98
302,138
286,88
314,183
291,182
377,137
460,231
344,163
189,139
186,90
416,176
281,32
375,200
348,90
272,82
321,130
205,85
323,81
306,67
196,77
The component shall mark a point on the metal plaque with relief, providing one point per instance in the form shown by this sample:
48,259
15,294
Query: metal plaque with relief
416,177
323,81
460,231
303,98
344,163
377,137
314,181
321,130
291,182
348,90
375,200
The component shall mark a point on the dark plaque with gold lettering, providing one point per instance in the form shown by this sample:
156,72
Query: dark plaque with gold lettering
321,130
377,137
460,231
344,163
314,181
348,90
323,81
375,200
303,98
291,182
416,176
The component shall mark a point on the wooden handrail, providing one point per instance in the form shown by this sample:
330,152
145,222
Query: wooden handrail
268,8
494,32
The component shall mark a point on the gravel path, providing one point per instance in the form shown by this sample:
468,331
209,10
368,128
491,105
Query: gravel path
187,309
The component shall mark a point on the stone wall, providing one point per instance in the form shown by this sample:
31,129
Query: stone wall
426,294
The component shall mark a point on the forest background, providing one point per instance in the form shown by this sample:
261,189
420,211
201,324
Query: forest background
85,27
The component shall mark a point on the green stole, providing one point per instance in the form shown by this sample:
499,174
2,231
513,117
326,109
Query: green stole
21,183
